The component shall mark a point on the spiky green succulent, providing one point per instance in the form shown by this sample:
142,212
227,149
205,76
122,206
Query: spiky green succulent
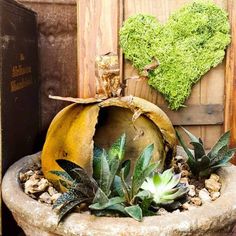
165,187
201,163
84,189
113,189
126,197
80,187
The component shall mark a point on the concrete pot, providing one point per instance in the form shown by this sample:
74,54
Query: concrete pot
37,219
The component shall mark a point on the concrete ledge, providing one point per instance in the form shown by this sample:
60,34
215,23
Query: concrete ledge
37,219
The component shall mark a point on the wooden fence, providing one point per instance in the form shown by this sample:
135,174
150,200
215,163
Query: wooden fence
212,104
99,22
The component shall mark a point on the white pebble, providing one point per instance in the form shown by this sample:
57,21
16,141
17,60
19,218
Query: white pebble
214,195
204,195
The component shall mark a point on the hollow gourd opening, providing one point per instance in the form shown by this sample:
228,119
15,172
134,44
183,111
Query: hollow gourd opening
114,121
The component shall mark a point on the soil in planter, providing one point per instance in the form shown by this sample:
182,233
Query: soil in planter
200,192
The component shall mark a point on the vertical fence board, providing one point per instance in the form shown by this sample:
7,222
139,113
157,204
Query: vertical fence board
230,78
98,25
212,91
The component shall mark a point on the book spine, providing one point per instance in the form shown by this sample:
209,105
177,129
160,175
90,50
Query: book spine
1,68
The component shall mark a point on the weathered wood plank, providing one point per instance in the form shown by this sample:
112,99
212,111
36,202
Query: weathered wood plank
63,2
57,53
210,114
230,78
212,91
97,34
120,52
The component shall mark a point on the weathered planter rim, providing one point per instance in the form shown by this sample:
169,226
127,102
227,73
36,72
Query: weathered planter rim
212,217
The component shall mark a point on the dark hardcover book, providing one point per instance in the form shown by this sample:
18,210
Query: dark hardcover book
19,89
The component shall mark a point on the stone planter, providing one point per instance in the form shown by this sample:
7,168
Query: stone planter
37,219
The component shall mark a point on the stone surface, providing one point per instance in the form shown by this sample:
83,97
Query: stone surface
204,195
196,201
192,190
215,177
37,219
162,211
186,206
214,195
55,196
45,197
212,185
52,191
34,185
185,173
37,186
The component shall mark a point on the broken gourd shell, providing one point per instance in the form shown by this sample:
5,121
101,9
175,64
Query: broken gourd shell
76,128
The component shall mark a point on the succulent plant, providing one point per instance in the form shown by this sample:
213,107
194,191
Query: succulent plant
113,189
202,164
127,198
80,188
165,187
84,189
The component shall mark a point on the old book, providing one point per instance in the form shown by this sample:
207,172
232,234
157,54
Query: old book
19,88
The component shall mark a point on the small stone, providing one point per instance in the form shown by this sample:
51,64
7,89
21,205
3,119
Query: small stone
42,185
87,212
55,197
212,185
196,201
185,166
214,195
30,185
37,175
52,191
184,181
179,165
204,195
29,173
36,166
186,206
176,211
185,173
180,158
192,190
162,211
176,168
34,185
23,177
45,197
215,177
38,172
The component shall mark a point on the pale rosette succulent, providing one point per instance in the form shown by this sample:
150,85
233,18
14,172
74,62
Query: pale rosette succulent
165,187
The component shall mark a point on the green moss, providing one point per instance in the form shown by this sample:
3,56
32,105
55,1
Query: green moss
192,41
138,38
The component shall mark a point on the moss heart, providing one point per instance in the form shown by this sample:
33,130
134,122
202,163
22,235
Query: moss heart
192,42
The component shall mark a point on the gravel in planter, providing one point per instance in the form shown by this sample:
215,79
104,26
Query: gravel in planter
201,191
